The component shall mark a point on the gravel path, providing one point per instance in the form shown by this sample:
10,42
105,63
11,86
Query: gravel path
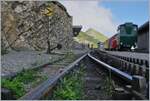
17,61
14,62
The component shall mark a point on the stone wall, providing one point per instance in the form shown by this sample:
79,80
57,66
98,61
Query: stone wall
31,24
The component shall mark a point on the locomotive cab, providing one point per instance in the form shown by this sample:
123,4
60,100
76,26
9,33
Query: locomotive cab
127,35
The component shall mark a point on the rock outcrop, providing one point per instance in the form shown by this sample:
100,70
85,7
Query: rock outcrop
34,24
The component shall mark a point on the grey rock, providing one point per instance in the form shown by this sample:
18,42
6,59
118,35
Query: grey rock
25,26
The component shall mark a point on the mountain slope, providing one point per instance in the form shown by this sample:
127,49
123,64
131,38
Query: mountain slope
91,36
95,34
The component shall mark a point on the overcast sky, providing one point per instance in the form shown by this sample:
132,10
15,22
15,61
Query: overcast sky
105,15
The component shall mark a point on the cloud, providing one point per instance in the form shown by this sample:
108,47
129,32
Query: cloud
90,14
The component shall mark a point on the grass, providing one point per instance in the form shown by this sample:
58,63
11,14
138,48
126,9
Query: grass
109,84
97,35
70,87
17,84
82,37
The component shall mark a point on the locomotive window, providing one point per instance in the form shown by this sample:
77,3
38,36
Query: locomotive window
122,29
129,29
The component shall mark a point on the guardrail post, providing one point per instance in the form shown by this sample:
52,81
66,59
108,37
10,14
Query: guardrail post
130,59
119,63
141,63
134,68
147,74
123,66
131,70
133,60
137,70
144,72
146,63
139,84
138,61
140,71
126,66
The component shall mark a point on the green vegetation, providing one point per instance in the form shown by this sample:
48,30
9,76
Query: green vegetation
109,84
84,38
70,87
87,37
17,84
90,36
97,35
109,87
14,85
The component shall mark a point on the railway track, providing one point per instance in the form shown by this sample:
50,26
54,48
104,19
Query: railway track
123,69
97,74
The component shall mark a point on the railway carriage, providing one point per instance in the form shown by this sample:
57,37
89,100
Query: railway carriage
113,42
125,38
106,44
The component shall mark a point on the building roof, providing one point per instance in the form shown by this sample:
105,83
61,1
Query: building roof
144,27
76,29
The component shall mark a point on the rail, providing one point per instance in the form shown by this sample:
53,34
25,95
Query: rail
123,75
116,71
47,86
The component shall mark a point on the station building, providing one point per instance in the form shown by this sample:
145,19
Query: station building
143,38
76,30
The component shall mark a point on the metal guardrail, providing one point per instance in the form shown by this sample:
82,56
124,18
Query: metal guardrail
116,71
124,65
123,75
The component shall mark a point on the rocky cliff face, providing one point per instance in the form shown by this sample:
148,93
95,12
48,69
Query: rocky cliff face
32,24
